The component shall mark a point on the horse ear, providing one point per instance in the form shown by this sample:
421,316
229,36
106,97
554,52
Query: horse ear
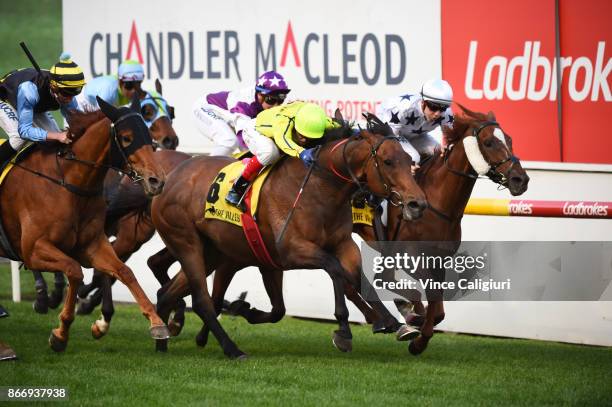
109,110
135,105
338,116
158,86
490,116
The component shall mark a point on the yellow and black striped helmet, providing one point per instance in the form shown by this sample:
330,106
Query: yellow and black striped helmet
66,74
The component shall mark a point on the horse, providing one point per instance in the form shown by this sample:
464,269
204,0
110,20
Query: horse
318,237
447,179
155,109
128,218
53,210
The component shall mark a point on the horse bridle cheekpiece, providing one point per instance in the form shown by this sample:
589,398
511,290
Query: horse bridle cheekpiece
476,159
392,195
119,154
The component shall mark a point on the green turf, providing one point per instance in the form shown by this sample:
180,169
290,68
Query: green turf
36,22
293,362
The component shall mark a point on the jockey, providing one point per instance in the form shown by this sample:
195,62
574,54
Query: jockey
412,117
27,98
221,116
116,90
285,128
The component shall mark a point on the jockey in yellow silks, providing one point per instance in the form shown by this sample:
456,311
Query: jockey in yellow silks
283,128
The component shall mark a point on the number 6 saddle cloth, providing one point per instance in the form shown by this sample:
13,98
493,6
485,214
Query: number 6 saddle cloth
217,208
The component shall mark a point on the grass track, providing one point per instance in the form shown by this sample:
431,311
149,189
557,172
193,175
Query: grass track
294,362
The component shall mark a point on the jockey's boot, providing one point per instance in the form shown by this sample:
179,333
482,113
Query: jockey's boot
6,152
236,194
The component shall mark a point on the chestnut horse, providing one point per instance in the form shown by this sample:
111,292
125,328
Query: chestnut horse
161,114
318,236
447,180
53,210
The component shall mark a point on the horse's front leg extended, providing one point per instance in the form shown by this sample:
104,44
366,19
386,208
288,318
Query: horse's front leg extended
101,256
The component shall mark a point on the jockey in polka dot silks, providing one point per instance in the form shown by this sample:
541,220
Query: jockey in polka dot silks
28,96
221,116
412,117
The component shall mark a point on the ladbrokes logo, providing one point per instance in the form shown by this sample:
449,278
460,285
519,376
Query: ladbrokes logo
324,58
582,209
536,75
521,208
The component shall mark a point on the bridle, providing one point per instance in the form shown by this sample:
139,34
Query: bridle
392,195
493,174
119,160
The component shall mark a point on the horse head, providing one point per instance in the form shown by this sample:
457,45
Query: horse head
131,145
377,163
158,116
488,149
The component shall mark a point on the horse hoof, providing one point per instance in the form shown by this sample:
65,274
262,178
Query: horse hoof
201,339
40,307
413,319
378,327
96,332
161,345
56,343
242,357
174,327
55,301
406,333
341,343
160,332
418,345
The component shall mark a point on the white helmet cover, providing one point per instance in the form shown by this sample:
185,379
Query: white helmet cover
437,91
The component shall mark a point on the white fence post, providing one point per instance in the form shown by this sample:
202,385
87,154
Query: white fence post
15,281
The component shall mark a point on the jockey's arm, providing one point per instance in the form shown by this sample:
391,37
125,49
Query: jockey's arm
27,98
283,137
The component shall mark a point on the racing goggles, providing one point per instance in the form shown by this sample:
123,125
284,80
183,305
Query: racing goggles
435,107
275,99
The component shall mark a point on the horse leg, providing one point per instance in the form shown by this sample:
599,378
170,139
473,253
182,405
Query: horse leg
159,264
370,315
350,257
45,256
221,281
57,295
101,326
273,282
435,308
167,297
102,257
312,256
191,257
41,304
85,289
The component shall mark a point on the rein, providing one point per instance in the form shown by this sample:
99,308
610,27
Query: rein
67,154
390,193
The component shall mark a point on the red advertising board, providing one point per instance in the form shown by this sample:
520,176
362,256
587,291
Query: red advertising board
500,56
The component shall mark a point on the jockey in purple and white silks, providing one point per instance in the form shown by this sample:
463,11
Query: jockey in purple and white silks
412,117
221,116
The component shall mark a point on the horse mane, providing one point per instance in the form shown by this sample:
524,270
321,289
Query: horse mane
78,122
461,124
343,130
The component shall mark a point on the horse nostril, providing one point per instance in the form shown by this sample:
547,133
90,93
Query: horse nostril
517,180
168,143
155,182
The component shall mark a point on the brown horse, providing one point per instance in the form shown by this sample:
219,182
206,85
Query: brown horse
447,180
53,209
128,218
318,236
161,114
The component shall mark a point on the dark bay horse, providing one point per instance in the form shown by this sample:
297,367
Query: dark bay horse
154,108
53,209
448,180
128,219
318,236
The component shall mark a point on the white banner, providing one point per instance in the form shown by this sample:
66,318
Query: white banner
347,54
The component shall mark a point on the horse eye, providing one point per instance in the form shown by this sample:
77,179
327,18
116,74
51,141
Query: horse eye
388,162
488,143
126,139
